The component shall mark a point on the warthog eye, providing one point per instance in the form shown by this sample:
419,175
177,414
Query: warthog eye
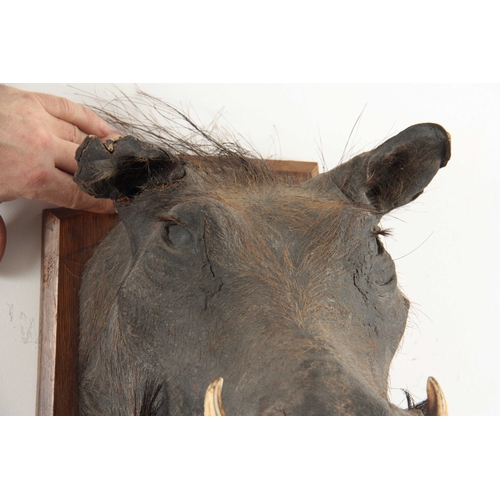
380,232
383,269
178,235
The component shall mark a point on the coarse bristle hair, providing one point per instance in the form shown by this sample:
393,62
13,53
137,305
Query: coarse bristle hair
211,148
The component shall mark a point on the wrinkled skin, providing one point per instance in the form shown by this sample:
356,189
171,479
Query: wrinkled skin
285,291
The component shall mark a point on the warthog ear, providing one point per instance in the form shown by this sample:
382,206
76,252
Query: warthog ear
395,173
120,169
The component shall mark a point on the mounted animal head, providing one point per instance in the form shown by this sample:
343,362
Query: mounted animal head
222,269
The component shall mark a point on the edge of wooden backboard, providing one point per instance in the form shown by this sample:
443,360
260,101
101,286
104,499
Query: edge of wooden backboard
68,240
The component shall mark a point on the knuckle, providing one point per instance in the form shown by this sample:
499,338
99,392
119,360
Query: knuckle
75,135
28,98
71,133
41,141
35,180
37,177
67,108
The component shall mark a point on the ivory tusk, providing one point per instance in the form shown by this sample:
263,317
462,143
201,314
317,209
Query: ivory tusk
436,402
213,399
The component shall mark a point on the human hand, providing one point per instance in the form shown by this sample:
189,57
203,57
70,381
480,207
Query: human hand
39,136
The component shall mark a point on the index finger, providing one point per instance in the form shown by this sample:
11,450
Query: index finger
60,189
64,109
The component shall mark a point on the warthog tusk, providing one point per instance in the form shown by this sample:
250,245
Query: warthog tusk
213,399
436,402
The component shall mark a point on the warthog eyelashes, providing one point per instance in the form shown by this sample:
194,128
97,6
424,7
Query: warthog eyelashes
170,220
382,232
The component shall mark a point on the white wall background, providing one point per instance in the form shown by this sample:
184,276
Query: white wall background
452,279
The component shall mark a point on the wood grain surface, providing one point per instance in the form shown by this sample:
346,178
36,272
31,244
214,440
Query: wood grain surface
69,239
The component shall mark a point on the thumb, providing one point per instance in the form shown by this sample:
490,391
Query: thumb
3,237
